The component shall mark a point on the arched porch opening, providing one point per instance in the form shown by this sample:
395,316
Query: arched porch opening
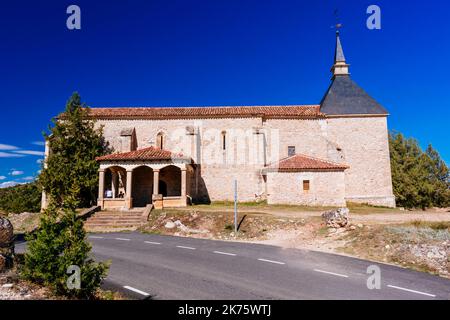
142,186
115,182
171,177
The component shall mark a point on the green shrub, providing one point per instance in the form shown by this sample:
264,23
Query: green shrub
21,198
59,243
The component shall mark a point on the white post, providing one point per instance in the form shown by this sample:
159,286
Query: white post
235,207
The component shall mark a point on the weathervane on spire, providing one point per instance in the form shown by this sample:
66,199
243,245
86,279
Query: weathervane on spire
340,66
338,25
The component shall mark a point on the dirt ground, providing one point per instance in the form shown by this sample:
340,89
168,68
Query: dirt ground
414,239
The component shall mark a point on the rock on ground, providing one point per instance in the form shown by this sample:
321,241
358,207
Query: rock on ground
336,218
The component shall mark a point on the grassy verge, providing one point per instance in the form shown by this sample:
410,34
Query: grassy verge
216,224
262,205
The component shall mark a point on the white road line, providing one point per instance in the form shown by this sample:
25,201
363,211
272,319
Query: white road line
271,261
225,253
95,237
122,239
332,273
183,247
151,242
136,290
413,291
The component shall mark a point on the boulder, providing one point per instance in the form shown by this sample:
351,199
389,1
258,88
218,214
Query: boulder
181,226
6,232
336,218
3,263
6,244
170,225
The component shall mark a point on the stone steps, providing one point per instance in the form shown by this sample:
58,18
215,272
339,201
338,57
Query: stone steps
114,221
117,218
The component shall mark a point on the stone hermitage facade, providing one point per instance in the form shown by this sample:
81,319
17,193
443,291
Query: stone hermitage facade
320,155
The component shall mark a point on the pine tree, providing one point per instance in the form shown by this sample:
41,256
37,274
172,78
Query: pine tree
71,165
420,179
440,176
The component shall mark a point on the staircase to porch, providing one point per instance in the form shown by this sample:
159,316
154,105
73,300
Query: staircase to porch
113,221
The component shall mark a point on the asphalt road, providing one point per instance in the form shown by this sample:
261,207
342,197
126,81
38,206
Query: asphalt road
165,267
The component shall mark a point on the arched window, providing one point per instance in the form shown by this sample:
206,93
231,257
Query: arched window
224,140
160,140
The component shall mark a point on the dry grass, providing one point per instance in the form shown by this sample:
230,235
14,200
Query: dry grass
420,245
260,205
423,246
367,209
24,222
218,224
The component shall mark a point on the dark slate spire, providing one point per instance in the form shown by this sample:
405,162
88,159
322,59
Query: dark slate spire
340,67
344,96
339,54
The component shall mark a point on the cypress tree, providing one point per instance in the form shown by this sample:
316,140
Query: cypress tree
71,166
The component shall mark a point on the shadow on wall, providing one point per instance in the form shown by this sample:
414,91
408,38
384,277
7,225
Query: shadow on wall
198,186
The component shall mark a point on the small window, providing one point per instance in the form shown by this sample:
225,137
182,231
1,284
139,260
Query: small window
160,141
224,140
291,151
305,185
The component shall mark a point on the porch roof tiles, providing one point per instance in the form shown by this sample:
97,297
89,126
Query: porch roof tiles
301,162
147,154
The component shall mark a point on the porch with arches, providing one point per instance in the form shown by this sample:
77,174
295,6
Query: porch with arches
142,177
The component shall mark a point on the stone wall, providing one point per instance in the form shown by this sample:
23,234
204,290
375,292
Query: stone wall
216,168
326,188
364,146
309,137
361,143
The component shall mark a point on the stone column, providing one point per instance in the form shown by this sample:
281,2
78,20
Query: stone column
157,199
183,182
101,187
155,181
114,183
129,190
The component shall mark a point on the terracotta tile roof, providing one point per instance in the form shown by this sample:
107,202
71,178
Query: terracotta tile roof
302,162
306,112
151,153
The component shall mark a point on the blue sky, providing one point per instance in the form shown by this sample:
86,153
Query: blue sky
215,52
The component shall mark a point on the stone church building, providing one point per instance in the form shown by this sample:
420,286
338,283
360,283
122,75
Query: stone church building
319,155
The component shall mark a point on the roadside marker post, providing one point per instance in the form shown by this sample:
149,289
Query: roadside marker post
235,208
